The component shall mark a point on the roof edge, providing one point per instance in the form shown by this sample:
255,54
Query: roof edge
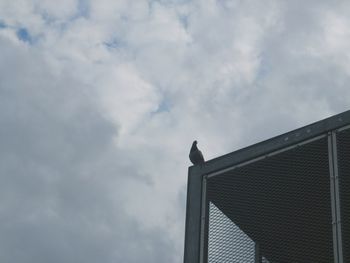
276,143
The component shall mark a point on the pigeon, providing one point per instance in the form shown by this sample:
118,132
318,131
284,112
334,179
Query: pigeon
196,155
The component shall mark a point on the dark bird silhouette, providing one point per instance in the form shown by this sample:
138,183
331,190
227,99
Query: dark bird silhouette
196,155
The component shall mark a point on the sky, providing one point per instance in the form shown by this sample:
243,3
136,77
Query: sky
101,100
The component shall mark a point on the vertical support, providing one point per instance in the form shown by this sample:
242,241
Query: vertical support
335,200
332,190
203,258
337,196
193,215
257,253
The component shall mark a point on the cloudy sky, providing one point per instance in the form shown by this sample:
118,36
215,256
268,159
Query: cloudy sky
100,101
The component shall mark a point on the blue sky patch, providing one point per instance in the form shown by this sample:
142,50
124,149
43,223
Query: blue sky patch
83,8
2,24
164,106
24,35
114,44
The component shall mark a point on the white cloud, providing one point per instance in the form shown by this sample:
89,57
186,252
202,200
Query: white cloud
66,9
127,98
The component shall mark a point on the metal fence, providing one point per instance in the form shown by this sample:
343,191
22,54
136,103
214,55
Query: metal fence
226,241
283,200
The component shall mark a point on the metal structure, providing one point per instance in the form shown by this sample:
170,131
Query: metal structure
282,200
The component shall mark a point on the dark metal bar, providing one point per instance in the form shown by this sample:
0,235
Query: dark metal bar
332,192
277,143
257,253
193,215
337,197
203,257
265,156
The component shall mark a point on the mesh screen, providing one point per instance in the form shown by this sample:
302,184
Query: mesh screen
227,243
281,202
343,146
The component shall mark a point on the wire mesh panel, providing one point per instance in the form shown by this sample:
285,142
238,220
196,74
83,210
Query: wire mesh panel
227,243
282,202
343,146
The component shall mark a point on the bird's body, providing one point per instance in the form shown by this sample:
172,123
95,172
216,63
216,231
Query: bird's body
196,155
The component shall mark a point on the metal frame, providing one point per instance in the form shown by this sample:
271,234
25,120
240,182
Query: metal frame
204,222
258,257
193,215
337,193
335,199
264,156
197,205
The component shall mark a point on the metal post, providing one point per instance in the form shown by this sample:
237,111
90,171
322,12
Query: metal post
257,253
193,215
337,196
203,258
335,200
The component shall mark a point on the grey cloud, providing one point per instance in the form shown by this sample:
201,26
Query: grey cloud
56,171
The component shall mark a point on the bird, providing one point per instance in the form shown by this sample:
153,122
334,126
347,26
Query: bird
196,155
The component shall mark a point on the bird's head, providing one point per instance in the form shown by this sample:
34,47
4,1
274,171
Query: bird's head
194,143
